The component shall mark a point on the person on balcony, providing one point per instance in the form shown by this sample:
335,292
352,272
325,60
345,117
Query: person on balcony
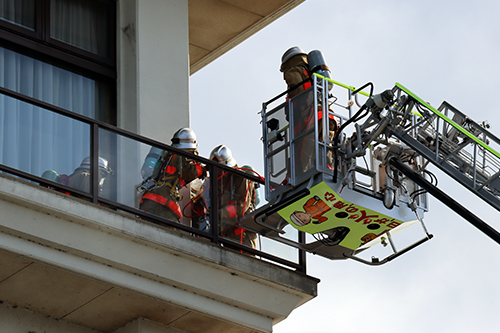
237,197
80,178
169,175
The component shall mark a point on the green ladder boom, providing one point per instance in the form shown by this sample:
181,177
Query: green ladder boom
451,141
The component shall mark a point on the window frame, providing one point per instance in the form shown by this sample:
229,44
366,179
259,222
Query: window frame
40,40
38,44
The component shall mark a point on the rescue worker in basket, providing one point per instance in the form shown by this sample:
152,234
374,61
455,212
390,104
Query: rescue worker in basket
297,68
237,197
171,172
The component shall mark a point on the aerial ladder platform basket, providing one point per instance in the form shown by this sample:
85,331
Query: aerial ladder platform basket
348,167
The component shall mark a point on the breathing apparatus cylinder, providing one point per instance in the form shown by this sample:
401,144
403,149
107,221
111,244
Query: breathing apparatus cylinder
317,64
150,162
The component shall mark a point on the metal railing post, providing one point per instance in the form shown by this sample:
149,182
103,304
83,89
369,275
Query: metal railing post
214,203
94,162
302,253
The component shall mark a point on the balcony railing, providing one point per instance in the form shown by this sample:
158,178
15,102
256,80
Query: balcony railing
39,139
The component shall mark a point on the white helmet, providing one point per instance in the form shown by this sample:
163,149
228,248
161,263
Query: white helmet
103,164
293,51
223,155
184,139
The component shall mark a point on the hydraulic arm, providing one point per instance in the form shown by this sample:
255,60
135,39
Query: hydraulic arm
352,171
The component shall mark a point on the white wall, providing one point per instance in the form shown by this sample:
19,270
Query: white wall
153,58
153,76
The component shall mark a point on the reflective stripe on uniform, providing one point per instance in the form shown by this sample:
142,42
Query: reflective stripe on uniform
239,231
231,211
170,169
164,202
308,84
199,170
320,115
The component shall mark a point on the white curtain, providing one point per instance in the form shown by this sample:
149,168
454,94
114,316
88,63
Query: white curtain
81,23
21,12
34,139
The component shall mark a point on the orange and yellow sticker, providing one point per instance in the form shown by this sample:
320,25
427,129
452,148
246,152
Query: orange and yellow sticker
324,210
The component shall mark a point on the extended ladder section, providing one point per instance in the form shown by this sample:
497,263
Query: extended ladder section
459,146
445,137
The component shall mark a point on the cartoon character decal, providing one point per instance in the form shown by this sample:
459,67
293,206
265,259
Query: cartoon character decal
314,208
300,218
334,220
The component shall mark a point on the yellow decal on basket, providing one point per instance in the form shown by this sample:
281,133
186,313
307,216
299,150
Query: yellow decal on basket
324,211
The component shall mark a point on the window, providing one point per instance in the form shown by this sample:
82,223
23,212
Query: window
81,23
82,27
61,52
21,12
67,44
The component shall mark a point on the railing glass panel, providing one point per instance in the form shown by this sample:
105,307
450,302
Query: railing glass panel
60,149
40,142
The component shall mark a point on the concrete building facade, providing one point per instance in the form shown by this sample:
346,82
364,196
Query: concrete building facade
69,264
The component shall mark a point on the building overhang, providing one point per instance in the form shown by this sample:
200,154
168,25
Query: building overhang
71,260
216,26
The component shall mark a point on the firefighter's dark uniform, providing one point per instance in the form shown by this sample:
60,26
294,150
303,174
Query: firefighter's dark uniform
295,71
237,197
80,180
163,198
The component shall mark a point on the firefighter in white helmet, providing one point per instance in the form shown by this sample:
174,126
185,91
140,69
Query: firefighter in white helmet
237,198
80,178
170,174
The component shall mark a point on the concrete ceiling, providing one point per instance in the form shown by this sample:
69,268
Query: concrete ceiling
79,263
216,26
91,303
